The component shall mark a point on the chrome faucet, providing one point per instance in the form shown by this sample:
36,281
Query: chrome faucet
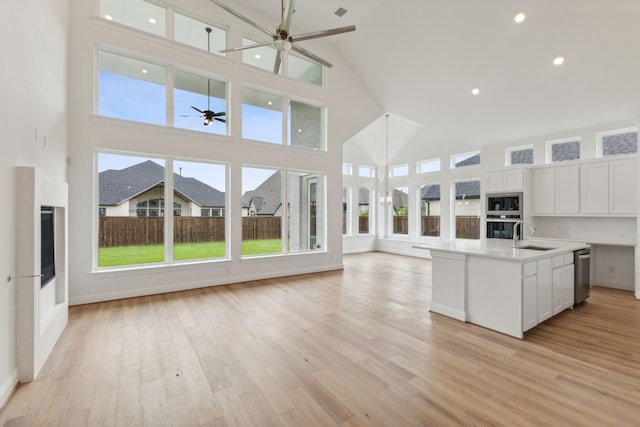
515,234
515,227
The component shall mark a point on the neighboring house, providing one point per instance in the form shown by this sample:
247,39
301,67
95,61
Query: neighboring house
139,191
364,200
266,199
467,198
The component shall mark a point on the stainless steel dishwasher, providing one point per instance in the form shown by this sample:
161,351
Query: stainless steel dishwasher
581,261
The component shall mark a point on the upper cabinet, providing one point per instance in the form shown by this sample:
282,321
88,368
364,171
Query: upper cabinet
505,180
600,187
556,190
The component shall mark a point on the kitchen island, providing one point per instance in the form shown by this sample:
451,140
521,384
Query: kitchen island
504,288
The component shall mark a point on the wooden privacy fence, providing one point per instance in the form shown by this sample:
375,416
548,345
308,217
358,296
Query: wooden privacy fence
130,231
430,226
467,227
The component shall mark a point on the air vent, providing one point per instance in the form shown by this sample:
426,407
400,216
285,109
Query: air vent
340,12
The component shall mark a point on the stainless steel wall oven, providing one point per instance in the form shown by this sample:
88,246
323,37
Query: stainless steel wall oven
503,211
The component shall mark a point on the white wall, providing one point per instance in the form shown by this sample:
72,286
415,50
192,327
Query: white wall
33,132
90,133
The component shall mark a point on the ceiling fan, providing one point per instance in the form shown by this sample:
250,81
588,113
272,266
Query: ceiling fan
208,115
281,39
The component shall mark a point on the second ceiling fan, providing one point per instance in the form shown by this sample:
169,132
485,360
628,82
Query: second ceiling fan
281,39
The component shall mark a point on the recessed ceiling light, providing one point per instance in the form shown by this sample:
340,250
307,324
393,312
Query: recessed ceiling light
520,17
153,20
270,103
257,56
108,17
299,130
475,91
145,71
558,61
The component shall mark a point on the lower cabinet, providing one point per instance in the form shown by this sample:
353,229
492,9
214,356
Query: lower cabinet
529,302
562,288
545,290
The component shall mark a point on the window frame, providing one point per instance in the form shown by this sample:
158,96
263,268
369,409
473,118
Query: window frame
549,148
510,150
600,136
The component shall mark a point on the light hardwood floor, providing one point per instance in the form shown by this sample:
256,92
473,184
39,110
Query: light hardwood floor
353,348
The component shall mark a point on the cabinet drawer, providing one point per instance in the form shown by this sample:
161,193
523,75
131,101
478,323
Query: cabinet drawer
529,269
568,258
557,261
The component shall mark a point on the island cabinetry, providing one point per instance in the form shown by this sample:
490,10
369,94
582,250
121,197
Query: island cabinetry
545,289
448,271
562,282
529,296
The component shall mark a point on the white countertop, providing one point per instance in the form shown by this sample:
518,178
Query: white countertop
503,248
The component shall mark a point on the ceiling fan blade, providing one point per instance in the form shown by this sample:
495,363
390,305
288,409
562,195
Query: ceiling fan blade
244,18
220,120
235,49
325,33
314,58
287,14
276,66
199,111
187,115
219,114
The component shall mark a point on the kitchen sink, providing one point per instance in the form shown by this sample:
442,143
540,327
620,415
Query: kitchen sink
534,248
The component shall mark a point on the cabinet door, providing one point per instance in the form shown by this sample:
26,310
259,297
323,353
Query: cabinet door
562,288
544,184
529,303
594,188
568,274
567,189
494,182
544,283
623,186
513,180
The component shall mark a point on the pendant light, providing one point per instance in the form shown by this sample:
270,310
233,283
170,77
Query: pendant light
386,199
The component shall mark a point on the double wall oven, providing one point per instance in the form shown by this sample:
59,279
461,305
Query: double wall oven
503,211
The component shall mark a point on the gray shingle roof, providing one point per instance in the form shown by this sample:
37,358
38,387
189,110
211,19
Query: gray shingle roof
620,143
464,190
118,186
473,160
563,151
266,198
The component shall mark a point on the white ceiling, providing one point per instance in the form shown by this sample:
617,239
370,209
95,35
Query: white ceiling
421,58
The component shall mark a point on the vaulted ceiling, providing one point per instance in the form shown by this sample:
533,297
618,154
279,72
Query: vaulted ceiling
422,58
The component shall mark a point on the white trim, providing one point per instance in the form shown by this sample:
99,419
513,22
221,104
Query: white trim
448,311
8,388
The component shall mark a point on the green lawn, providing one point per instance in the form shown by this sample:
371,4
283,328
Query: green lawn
128,255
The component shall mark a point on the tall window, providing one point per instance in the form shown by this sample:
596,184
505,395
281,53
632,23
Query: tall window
199,188
262,116
364,211
519,155
203,93
467,209
346,226
563,150
620,141
305,125
139,14
304,70
400,206
194,33
131,195
267,217
131,89
430,210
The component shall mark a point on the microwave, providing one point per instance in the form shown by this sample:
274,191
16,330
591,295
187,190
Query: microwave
504,205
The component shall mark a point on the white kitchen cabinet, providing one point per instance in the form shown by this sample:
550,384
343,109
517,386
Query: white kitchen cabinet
504,180
544,289
562,282
529,296
544,193
623,186
567,187
556,190
594,188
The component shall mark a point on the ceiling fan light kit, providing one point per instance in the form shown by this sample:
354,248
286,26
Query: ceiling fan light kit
281,40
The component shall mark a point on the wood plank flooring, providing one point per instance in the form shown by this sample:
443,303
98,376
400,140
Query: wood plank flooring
347,348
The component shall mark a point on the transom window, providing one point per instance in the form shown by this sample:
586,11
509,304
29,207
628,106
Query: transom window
522,155
562,150
465,159
615,142
398,170
428,166
366,171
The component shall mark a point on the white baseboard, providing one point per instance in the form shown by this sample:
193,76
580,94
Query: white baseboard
448,311
8,387
176,287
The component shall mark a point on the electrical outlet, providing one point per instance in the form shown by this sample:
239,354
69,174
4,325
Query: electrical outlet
612,269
